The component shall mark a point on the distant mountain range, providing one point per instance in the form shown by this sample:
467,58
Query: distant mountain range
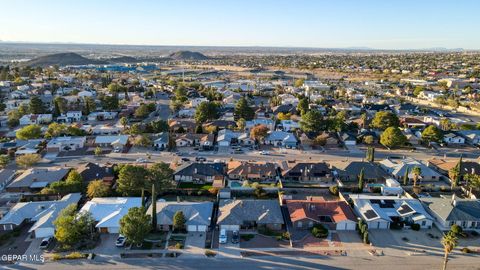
73,59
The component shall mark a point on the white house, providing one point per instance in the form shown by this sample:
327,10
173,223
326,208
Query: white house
65,144
288,125
381,212
398,167
449,211
41,213
30,119
452,138
107,212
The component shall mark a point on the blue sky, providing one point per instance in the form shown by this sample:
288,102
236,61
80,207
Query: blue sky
392,24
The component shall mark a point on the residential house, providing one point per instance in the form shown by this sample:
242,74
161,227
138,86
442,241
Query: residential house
405,109
105,130
347,139
443,166
70,117
347,172
227,137
35,179
41,213
384,212
235,215
200,172
35,119
252,171
65,144
191,139
185,125
398,167
101,116
198,215
449,211
412,123
288,125
306,172
118,142
453,138
471,136
94,171
281,139
335,215
269,123
245,139
6,176
107,212
161,141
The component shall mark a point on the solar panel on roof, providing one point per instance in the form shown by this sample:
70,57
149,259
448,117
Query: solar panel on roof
404,209
369,214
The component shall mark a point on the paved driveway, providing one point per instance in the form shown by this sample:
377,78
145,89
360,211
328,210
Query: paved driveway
196,239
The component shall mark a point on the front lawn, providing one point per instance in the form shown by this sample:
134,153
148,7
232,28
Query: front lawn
194,186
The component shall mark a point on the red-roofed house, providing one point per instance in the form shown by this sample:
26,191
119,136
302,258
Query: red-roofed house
335,215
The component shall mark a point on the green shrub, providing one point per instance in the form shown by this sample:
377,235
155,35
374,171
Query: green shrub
365,238
319,231
415,227
466,250
179,246
286,235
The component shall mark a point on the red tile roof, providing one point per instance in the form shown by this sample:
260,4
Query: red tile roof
337,210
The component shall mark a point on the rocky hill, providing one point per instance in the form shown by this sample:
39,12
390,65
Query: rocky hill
61,59
187,55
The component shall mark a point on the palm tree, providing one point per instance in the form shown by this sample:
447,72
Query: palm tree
417,171
449,242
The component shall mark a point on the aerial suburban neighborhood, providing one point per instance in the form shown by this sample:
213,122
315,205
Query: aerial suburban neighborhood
133,157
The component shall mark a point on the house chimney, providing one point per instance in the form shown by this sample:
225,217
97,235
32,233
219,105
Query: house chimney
454,200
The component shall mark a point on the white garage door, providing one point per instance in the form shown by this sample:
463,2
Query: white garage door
230,227
383,225
192,228
202,228
113,229
373,225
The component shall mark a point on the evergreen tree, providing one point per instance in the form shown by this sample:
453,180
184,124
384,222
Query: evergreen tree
361,180
405,177
154,208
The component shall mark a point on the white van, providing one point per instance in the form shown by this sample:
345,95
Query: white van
222,239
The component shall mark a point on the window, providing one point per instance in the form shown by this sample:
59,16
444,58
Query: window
424,223
299,224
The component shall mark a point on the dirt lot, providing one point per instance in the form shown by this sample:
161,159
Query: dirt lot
409,241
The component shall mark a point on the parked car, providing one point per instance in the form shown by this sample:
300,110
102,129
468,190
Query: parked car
45,242
264,153
235,237
200,159
222,239
141,160
185,159
121,240
117,150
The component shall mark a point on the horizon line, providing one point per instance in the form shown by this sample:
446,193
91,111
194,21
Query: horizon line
353,48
